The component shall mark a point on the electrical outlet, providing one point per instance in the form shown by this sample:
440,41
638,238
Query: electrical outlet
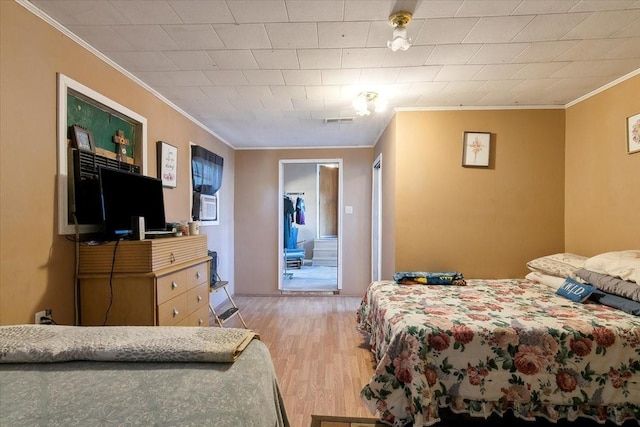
44,317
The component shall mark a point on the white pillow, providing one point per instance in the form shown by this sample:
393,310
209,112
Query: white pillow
561,265
622,264
553,282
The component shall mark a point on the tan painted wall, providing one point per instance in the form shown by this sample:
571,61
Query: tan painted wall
484,222
256,210
602,181
37,265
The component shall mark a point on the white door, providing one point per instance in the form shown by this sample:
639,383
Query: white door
376,220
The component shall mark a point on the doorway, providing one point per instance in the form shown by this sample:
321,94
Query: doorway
310,225
376,220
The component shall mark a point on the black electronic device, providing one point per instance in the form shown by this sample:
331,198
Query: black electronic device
125,195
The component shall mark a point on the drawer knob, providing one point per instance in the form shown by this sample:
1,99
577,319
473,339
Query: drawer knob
175,312
199,298
174,284
200,322
197,274
172,258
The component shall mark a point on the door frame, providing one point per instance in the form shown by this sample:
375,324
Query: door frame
280,248
376,219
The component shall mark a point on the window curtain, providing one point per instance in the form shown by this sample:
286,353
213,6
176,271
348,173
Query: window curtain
206,174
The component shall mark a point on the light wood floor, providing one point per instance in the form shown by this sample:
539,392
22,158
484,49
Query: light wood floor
321,359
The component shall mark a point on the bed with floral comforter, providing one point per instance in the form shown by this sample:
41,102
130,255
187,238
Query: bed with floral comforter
494,346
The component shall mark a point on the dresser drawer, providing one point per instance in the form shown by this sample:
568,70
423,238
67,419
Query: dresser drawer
173,311
197,297
197,275
171,285
197,318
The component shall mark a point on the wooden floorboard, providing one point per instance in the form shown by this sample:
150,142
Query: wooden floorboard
320,357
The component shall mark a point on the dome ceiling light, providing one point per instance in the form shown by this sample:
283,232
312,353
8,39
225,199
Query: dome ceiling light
361,103
398,21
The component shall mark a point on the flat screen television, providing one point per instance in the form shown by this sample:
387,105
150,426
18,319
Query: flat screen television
124,195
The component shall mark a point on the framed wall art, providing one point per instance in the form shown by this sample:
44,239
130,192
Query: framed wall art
168,164
476,147
82,138
633,134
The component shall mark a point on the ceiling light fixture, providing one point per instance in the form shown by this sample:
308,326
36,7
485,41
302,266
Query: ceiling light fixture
361,103
400,41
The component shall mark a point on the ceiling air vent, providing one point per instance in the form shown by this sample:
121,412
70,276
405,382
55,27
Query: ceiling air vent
339,121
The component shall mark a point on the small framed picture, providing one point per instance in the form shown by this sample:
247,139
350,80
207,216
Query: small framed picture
168,164
633,134
82,138
475,149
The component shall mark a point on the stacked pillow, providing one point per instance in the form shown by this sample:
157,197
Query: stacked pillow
615,276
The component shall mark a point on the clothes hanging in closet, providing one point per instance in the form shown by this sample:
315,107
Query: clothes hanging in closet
300,211
288,215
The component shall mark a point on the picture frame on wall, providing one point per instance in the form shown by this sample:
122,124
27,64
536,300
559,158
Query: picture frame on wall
476,148
82,138
633,134
167,164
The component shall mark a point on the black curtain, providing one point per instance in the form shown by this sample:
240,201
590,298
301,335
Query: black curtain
206,175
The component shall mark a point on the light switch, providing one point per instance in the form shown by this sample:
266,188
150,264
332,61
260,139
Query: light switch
348,209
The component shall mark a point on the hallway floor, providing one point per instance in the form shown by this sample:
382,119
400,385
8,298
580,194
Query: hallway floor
311,278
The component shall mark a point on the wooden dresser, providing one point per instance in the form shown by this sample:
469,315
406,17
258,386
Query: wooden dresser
161,282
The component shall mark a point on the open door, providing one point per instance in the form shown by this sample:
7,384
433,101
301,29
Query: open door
313,262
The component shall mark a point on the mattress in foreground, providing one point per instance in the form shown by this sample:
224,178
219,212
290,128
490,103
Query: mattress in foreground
498,345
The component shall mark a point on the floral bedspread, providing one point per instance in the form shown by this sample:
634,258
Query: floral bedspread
498,345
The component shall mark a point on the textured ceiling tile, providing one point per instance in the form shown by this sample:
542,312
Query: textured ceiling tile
378,75
487,7
289,92
363,58
103,38
540,7
234,59
264,77
550,27
418,74
458,72
497,29
341,77
252,11
452,54
445,31
194,36
173,78
269,59
631,30
539,70
226,77
314,10
415,56
219,92
498,72
342,34
498,53
147,37
544,51
293,35
367,10
191,59
245,36
597,5
202,11
436,8
589,49
302,77
82,13
146,12
603,24
143,61
319,58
